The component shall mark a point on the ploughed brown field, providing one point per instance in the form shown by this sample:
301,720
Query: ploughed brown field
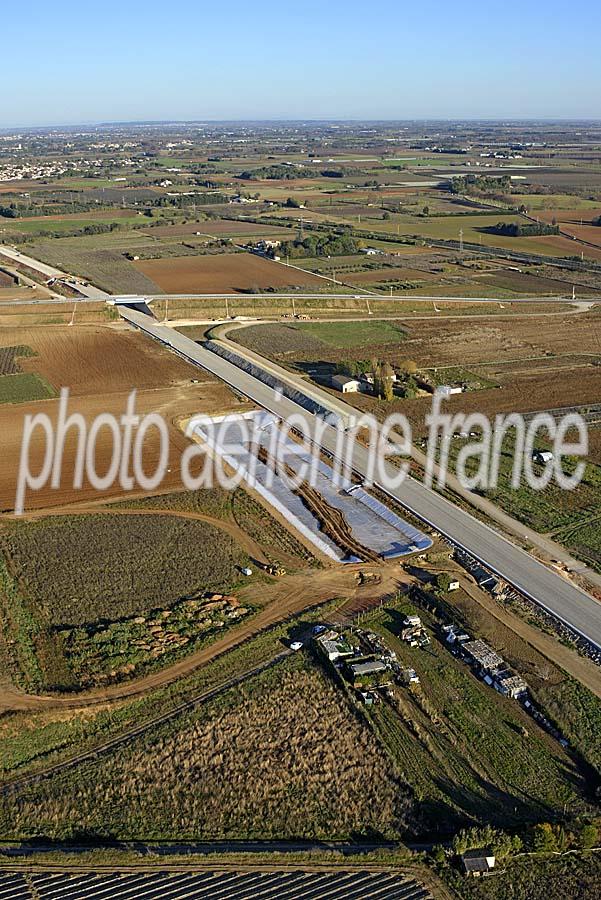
96,359
589,233
469,342
565,246
523,282
576,216
523,393
228,273
101,366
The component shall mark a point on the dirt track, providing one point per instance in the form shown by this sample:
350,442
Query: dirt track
285,598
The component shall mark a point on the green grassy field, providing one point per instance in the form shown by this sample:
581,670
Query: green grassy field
24,387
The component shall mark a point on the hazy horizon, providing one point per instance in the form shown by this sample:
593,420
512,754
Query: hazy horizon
314,62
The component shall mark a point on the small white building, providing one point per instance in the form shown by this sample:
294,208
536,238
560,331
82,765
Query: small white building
542,456
447,390
345,384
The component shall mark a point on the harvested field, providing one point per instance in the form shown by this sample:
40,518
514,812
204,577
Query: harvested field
584,215
459,342
353,334
431,342
227,273
528,393
523,283
392,273
117,566
172,403
22,293
589,233
563,246
101,366
93,359
237,767
280,341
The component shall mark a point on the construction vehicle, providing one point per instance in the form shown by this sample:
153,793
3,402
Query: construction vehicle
273,569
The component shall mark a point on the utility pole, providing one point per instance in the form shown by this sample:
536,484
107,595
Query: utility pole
73,315
293,308
227,309
368,309
166,308
573,292
461,240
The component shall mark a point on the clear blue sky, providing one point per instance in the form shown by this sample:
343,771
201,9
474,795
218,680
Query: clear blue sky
69,62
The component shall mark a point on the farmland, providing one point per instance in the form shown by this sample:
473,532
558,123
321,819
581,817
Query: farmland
235,273
109,269
23,388
100,366
88,360
81,620
520,366
120,610
211,774
118,566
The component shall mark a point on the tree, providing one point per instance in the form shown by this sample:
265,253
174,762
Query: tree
387,381
543,838
408,366
439,854
588,836
426,211
443,582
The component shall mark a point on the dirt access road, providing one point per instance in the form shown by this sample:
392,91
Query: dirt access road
282,599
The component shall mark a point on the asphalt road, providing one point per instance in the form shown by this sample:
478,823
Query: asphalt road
574,607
